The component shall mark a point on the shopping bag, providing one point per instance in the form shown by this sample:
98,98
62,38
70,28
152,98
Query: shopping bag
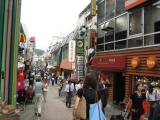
81,111
95,112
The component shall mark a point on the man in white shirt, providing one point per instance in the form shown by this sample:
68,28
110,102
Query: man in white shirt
79,85
69,90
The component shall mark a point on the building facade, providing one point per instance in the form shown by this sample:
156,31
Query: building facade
127,46
87,24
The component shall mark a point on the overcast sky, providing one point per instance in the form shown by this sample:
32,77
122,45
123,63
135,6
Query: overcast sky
47,18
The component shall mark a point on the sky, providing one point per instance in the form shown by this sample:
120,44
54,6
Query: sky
44,19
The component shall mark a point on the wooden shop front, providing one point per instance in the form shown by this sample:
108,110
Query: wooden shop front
140,64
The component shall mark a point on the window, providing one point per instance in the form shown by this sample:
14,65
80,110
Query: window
121,44
109,28
135,23
65,52
121,27
120,7
109,37
110,9
100,12
100,48
152,39
100,38
135,42
109,46
152,18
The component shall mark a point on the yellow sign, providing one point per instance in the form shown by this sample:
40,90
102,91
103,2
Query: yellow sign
93,7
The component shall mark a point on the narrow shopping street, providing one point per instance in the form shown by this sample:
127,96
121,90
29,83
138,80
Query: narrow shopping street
54,109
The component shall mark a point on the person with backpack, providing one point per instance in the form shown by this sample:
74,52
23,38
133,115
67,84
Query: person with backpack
93,102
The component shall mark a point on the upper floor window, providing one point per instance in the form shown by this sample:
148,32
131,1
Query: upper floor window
152,24
110,9
121,27
100,12
135,23
152,18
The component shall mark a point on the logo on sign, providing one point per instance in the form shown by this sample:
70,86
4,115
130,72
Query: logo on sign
151,62
135,62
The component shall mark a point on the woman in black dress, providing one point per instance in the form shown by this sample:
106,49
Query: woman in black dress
136,99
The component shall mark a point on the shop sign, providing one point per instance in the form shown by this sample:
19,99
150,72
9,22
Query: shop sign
71,51
109,62
133,3
79,47
93,7
22,38
151,62
135,62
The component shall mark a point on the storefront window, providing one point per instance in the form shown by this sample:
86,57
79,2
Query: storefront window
136,42
121,44
120,7
152,18
135,23
109,46
100,12
121,27
110,9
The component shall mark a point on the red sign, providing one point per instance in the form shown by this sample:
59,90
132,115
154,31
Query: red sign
109,62
133,3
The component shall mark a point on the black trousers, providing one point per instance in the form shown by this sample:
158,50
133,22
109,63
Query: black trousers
69,99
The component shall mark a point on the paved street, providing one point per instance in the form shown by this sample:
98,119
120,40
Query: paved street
54,109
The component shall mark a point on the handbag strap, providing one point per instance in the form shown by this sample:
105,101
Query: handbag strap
98,105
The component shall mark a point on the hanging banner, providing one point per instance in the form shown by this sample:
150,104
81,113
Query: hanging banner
72,45
80,47
133,3
93,7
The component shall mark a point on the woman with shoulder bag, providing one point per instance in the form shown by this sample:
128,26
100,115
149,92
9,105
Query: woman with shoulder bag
89,94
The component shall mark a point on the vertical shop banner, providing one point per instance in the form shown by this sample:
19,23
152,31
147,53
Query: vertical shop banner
93,7
133,3
72,51
80,47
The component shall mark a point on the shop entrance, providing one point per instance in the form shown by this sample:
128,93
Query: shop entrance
118,88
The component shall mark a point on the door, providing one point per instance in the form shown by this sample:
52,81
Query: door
118,88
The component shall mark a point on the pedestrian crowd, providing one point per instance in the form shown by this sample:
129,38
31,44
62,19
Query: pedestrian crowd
91,96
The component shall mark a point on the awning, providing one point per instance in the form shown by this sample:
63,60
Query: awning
65,64
59,56
109,62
